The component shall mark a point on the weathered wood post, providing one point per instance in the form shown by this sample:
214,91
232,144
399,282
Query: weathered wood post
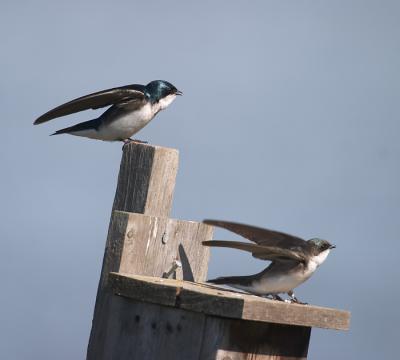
139,315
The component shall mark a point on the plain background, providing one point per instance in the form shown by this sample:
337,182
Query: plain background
290,120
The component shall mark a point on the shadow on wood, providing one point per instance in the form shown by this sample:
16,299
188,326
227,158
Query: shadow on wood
186,268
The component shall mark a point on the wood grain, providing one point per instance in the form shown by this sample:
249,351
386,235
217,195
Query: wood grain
228,304
146,180
151,244
230,339
162,182
140,244
146,331
146,183
111,262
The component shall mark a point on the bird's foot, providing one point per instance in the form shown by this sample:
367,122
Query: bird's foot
294,299
274,297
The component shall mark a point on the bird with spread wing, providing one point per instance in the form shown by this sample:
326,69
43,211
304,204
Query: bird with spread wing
293,260
131,108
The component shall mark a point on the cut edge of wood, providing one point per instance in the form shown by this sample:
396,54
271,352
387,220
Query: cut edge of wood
124,213
214,301
156,147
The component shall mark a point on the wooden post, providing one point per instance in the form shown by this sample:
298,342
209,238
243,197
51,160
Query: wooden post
141,237
139,315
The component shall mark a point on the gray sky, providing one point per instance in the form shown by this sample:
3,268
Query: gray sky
289,121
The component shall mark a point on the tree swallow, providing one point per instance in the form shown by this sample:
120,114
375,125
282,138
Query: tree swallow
132,107
293,260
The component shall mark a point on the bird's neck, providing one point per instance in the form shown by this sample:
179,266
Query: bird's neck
320,258
166,101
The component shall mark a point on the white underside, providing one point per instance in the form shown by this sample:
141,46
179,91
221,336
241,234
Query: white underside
128,124
92,133
286,282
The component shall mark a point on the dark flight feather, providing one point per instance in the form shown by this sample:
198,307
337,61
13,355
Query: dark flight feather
86,125
272,253
94,101
226,280
259,235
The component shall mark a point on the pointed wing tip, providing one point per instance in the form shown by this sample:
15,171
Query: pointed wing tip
40,120
50,115
210,221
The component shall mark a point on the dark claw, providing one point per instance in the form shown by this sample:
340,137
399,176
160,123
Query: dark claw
274,297
295,300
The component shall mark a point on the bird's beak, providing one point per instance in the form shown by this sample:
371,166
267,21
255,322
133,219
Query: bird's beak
177,92
332,247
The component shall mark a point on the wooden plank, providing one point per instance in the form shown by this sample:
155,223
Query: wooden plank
254,308
160,192
146,180
146,184
229,304
111,261
160,291
140,330
242,340
141,244
151,244
114,246
147,331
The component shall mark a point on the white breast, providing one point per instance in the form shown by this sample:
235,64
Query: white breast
317,261
165,102
124,126
129,124
276,284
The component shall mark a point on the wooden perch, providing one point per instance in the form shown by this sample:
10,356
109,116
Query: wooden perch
139,315
211,300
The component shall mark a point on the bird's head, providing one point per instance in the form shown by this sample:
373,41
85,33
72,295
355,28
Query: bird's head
162,91
320,245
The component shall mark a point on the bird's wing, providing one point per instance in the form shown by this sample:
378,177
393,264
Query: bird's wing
94,101
259,235
272,253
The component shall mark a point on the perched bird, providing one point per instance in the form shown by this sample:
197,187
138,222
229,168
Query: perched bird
293,260
132,107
